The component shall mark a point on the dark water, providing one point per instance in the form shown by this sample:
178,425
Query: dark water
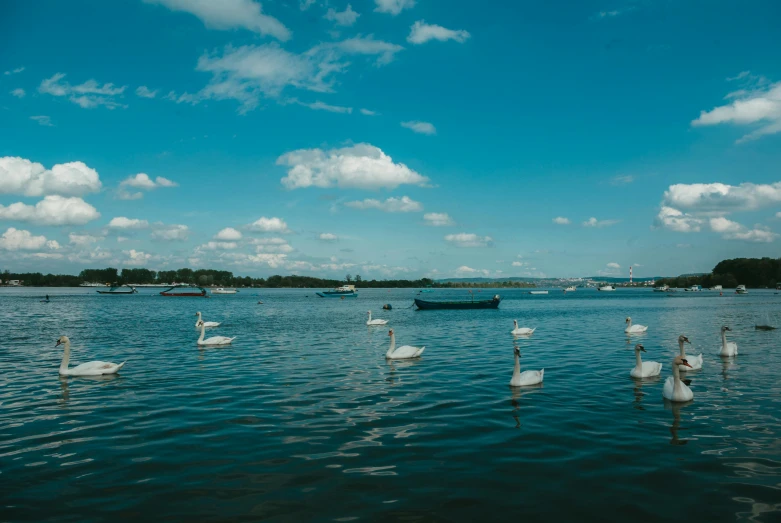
303,418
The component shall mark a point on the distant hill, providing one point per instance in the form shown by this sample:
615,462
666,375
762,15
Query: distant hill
540,280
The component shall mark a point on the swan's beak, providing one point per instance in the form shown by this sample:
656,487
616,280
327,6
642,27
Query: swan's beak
687,341
684,362
58,343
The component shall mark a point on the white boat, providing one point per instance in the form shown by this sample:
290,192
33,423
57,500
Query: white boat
571,288
222,290
663,288
538,292
694,288
741,289
716,288
606,288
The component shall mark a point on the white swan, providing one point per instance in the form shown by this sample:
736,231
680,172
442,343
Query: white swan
207,324
521,331
634,329
527,377
214,340
695,362
644,369
402,353
728,348
370,321
674,389
93,368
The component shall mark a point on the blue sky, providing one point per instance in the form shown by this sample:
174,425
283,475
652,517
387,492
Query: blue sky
396,138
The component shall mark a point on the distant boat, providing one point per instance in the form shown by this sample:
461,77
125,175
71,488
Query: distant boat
694,288
663,288
119,289
345,291
222,290
538,292
493,303
571,288
716,288
184,291
606,288
741,289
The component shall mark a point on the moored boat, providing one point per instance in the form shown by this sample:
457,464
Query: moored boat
741,289
345,291
571,288
606,288
538,292
716,288
424,305
222,290
119,289
184,291
663,288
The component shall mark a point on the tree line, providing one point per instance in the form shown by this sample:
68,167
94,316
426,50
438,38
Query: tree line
752,272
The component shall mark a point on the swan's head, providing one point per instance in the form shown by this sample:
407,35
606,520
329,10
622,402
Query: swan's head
725,328
199,323
61,340
681,361
198,313
390,332
515,322
683,339
639,347
628,319
517,352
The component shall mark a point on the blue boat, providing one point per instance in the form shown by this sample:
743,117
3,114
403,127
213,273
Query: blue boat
345,291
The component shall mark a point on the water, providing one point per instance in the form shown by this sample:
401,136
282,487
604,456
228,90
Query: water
303,418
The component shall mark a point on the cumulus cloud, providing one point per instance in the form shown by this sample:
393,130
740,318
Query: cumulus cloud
52,210
758,104
518,264
121,222
420,127
135,257
169,233
83,239
403,204
19,93
21,240
468,240
465,270
274,247
230,14
145,92
264,224
14,71
361,166
344,18
613,265
593,222
675,220
144,182
734,231
21,176
45,121
393,7
561,220
421,32
213,246
228,234
327,237
88,95
720,197
438,219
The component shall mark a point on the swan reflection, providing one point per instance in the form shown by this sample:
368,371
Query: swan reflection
676,426
638,389
516,393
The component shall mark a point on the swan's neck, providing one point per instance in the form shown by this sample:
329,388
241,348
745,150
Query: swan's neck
392,346
638,359
66,357
676,376
517,367
370,315
724,339
203,331
629,324
683,351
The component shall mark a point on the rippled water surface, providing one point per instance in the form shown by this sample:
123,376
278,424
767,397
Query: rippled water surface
302,418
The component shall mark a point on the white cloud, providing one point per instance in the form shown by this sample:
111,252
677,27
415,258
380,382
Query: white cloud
320,106
274,247
19,92
734,231
561,220
367,112
678,221
344,18
88,95
466,270
328,237
468,240
14,71
145,92
602,15
403,204
83,239
213,246
170,232
361,166
135,257
228,234
719,197
517,264
121,222
393,7
613,265
21,240
421,32
144,182
420,127
759,104
593,222
438,219
45,121
268,241
52,210
622,180
21,176
230,14
264,224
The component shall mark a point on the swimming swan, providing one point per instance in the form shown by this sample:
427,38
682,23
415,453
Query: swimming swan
208,324
521,331
370,321
695,362
634,329
728,348
402,353
644,369
527,377
674,388
214,340
93,368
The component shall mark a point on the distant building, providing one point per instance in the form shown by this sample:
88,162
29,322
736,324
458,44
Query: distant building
14,283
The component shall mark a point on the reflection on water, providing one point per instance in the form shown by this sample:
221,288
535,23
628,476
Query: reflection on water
306,420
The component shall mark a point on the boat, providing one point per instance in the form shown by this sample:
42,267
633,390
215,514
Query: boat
663,288
606,288
222,290
184,291
694,288
716,288
538,292
119,289
345,291
741,289
424,305
571,288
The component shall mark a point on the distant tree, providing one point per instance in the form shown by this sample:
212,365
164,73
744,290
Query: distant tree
357,278
348,278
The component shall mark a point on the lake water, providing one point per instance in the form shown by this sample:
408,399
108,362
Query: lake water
302,418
